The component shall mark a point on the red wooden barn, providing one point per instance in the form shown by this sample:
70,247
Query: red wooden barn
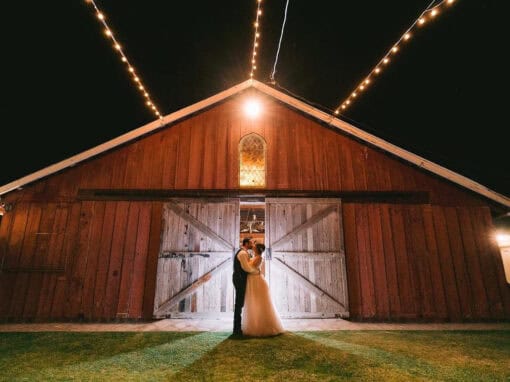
144,226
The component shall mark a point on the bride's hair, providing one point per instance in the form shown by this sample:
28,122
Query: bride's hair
260,247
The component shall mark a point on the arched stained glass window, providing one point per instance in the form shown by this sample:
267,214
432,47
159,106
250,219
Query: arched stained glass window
252,161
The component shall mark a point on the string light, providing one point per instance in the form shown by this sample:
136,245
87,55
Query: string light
427,15
256,39
135,77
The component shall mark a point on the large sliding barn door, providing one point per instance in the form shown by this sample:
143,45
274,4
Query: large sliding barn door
306,272
194,276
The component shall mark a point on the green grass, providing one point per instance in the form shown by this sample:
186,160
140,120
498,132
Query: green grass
299,356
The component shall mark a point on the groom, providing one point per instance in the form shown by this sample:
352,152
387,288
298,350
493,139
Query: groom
241,269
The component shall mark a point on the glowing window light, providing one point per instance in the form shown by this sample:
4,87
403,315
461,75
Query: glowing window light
503,239
252,161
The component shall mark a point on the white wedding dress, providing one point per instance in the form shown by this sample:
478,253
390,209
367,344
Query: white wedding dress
259,317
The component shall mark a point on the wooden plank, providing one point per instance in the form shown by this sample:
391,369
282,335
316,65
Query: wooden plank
368,303
115,267
93,253
296,276
480,307
26,254
443,246
378,264
199,225
390,263
6,280
103,259
140,262
39,259
59,305
152,260
406,287
308,255
436,274
127,270
55,249
188,290
79,262
302,227
352,260
459,262
419,261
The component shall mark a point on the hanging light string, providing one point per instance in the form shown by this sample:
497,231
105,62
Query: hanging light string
271,77
427,15
134,76
256,39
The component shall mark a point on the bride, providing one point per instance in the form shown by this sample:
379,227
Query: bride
260,318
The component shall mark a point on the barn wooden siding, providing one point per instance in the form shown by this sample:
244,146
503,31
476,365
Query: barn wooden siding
84,260
66,258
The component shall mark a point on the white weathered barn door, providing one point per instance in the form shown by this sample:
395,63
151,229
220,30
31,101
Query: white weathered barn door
194,277
306,271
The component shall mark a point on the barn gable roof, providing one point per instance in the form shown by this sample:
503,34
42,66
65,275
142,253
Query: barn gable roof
326,118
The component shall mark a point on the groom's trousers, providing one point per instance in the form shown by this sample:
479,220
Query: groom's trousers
240,287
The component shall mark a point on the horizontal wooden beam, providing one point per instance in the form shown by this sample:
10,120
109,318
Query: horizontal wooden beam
305,255
416,197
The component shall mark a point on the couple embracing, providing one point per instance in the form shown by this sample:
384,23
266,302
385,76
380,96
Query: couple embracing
259,317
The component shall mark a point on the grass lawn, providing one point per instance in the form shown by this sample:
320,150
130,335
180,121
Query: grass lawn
296,356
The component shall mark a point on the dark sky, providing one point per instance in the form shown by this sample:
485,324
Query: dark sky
64,89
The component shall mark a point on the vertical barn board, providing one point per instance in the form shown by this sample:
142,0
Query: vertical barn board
352,260
126,274
140,262
480,308
459,263
489,263
378,265
199,236
196,158
333,177
183,155
436,274
390,262
169,159
119,163
69,252
443,246
79,262
115,267
209,168
282,142
26,255
103,259
405,282
359,165
368,307
39,259
155,239
222,156
347,169
55,249
89,284
6,278
419,261
299,231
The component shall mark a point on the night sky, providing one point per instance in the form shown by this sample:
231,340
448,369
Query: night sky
65,90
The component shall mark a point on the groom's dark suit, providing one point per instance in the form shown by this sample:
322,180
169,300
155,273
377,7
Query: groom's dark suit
239,278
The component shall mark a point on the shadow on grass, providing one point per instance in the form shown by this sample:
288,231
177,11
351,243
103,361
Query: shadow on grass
106,355
300,356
